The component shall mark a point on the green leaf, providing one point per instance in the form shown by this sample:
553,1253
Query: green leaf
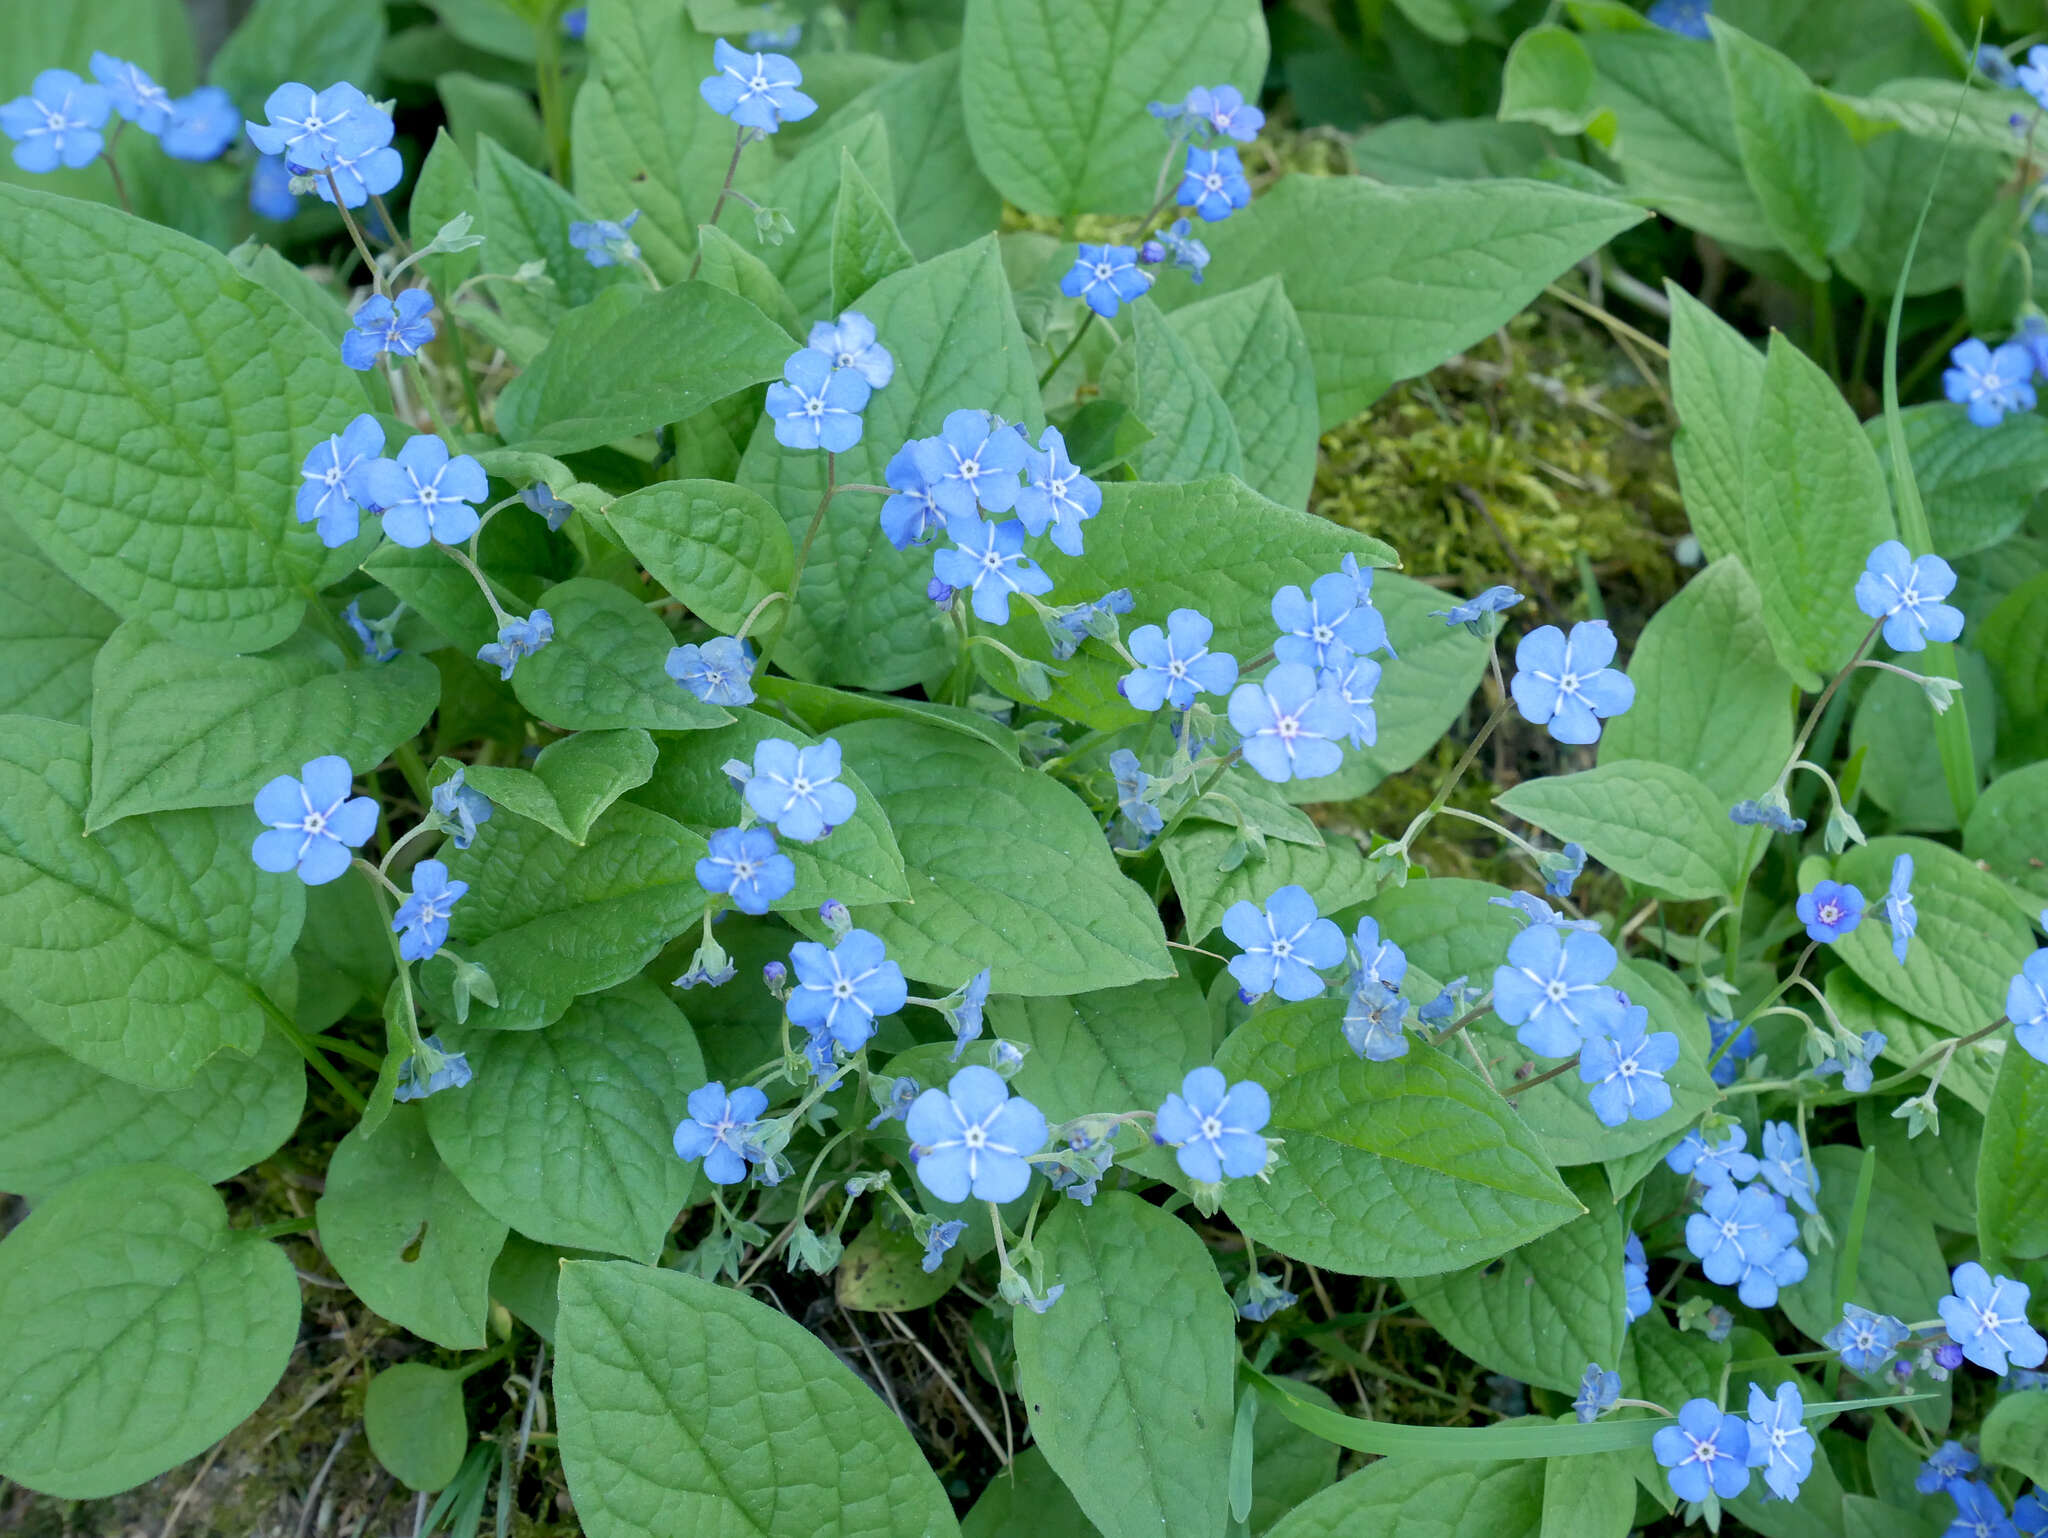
1123,1047
1389,1169
720,548
859,863
1908,1038
603,670
143,951
1428,271
1079,140
1717,378
565,1133
1157,376
661,1436
1895,727
66,1121
524,217
479,108
1129,1378
136,1329
549,920
414,1418
1549,81
1403,1498
736,269
174,727
2016,1435
1588,1498
2012,1168
1977,482
50,630
883,1271
1335,876
942,199
1543,1312
1817,505
1936,1172
866,245
1798,156
2015,639
1026,1500
1901,172
406,1237
155,455
2008,829
1007,869
629,362
807,191
446,187
1251,346
1899,1270
524,1279
520,557
1650,822
823,709
573,781
862,616
295,40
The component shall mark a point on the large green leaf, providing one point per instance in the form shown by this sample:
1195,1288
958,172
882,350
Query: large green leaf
1251,345
1129,1378
605,668
1122,1047
174,727
1977,483
154,408
1717,377
50,630
2012,1167
866,245
406,1237
2016,1435
572,780
807,190
1056,91
143,951
1335,875
1405,1168
136,1328
565,1133
942,199
1650,822
1416,1498
1936,1172
1026,1500
1007,869
1156,374
414,1422
662,1436
1897,732
720,548
2008,828
322,40
1899,1270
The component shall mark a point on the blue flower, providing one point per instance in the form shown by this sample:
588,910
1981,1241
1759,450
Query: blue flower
720,672
461,808
202,127
943,1237
1866,1341
576,21
1557,880
1635,1279
1178,246
1174,665
840,993
1213,183
756,90
903,1093
1259,1298
1452,1001
422,921
1779,1442
1597,1393
1729,1063
1856,1072
132,94
1763,1276
973,1138
58,123
2026,1005
1351,683
988,559
2030,1514
309,127
517,638
2031,77
1763,814
1379,960
787,37
1532,909
1785,1166
270,188
381,326
1131,781
1214,1127
1979,1511
746,864
1070,626
973,462
1554,988
1725,1161
604,242
815,406
1372,1021
798,789
450,1070
423,494
1706,1450
965,1016
1285,946
913,515
1987,1317
1105,276
1990,383
1567,684
1906,595
1472,614
851,344
1737,1226
1058,496
1626,1070
1829,911
1218,109
1688,18
1899,911
325,498
552,509
361,173
376,639
313,822
1328,625
719,1130
1290,724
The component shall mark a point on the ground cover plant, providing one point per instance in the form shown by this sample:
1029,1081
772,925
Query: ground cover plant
694,730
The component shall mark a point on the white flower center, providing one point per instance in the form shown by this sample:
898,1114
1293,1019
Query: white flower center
975,1137
1212,1128
316,822
1176,668
742,870
1556,990
842,989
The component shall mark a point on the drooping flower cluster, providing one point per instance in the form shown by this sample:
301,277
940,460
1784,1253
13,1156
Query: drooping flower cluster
1743,1235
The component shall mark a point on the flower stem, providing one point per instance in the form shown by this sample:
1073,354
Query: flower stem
355,233
482,582
725,191
1542,1078
1066,352
120,186
803,553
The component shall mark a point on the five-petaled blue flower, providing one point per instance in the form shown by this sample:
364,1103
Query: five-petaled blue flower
756,90
325,498
1131,781
1906,594
913,515
1861,1053
798,789
1329,624
1566,684
1472,614
972,1138
1105,276
817,406
1214,1127
1765,814
449,1070
1558,879
720,672
202,126
1866,1341
57,123
1979,1511
1285,946
1725,1161
360,173
422,921
1899,911
552,509
746,864
1951,1460
943,1237
1635,1279
1707,1450
1219,109
1290,724
1372,1020
972,462
313,821
2030,1513
988,559
1786,1167
1829,911
423,494
1990,383
605,242
1597,1393
131,92
1213,183
382,325
842,992
517,638
1056,494
719,1131
1554,988
850,344
965,1015
1351,683
461,808
310,128
376,638
1178,246
1174,665
1779,1442
1987,1317
1626,1070
1737,1226
1379,959
2026,1005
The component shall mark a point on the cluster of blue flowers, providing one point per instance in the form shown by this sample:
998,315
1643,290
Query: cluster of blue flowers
1992,382
61,121
826,385
338,138
1744,1233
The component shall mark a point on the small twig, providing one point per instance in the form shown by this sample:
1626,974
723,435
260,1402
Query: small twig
185,1495
946,1378
312,1501
540,1362
881,1378
1530,580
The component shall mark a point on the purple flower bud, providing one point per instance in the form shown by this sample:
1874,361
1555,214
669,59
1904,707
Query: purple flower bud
939,593
1246,996
775,975
1151,253
833,911
1949,1355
